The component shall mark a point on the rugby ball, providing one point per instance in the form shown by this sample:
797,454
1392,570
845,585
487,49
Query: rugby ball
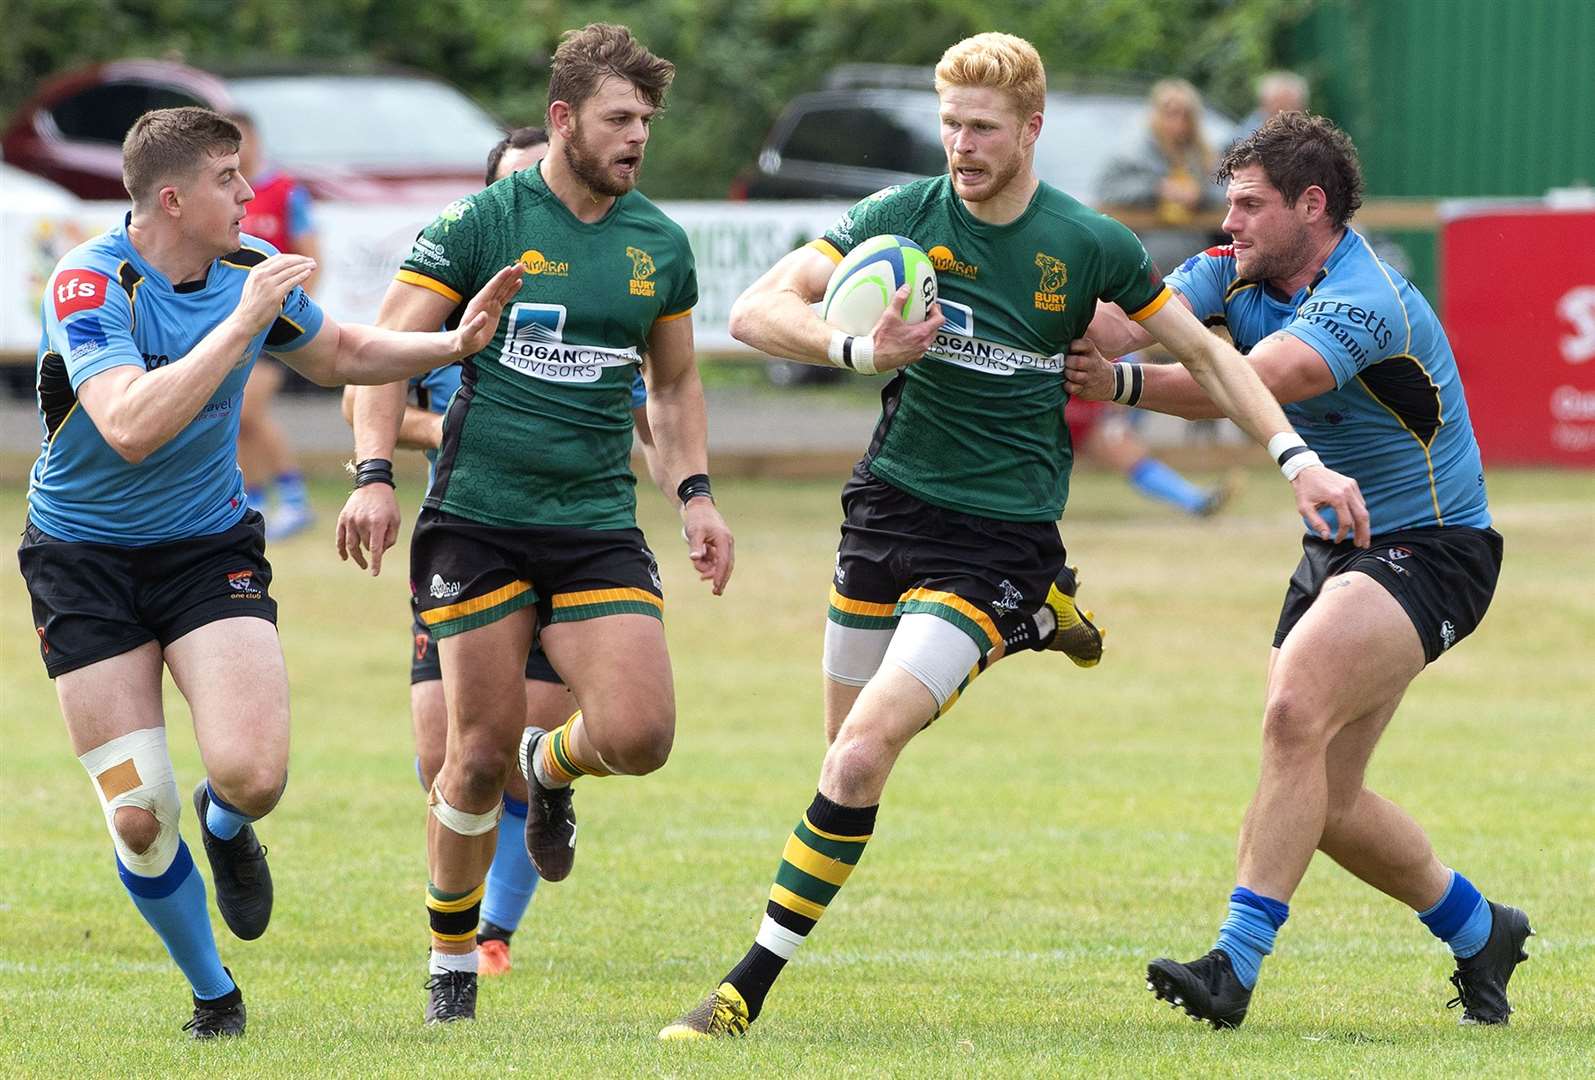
863,284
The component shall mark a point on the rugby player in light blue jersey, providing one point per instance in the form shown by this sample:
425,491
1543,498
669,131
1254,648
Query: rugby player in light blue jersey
511,879
139,548
1366,375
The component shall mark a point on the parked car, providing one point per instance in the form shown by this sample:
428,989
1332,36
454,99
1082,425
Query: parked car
875,125
383,135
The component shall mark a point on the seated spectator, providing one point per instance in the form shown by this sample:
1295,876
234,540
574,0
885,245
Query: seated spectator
1167,168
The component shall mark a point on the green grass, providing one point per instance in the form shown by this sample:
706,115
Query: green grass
1035,848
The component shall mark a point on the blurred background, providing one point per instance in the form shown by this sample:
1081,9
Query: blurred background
1471,117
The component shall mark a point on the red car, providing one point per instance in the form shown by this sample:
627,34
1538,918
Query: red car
365,137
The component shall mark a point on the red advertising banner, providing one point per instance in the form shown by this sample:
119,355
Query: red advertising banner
1520,312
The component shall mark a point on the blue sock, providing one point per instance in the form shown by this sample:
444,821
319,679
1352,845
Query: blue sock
291,489
174,906
1461,919
221,820
1158,481
1248,934
511,880
256,498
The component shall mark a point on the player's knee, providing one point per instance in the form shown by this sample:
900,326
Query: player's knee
858,760
136,828
476,775
642,750
1292,727
254,788
132,775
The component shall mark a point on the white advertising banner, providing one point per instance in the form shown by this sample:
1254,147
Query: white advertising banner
363,244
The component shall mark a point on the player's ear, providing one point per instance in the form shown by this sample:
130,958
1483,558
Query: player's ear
1314,201
561,118
170,201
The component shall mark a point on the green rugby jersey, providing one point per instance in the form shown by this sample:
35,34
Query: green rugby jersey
540,431
977,425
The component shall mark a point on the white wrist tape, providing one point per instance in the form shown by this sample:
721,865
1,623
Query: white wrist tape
1289,451
855,353
1127,382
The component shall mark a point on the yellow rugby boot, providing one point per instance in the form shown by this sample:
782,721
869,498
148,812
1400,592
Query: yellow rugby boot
722,1014
1077,637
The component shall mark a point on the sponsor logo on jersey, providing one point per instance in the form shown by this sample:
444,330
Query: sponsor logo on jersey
444,590
534,345
642,268
429,253
535,262
1330,313
79,290
1054,276
945,262
454,211
84,338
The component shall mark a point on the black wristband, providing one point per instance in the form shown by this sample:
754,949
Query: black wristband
693,486
374,471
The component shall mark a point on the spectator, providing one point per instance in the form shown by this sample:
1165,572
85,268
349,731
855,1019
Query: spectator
1277,92
1167,169
280,215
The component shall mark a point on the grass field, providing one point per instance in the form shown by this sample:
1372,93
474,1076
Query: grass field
1102,805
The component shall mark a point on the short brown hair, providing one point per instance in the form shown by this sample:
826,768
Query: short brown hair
586,57
1297,151
166,143
1001,62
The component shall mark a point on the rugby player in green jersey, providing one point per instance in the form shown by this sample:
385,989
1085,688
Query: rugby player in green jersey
529,528
950,546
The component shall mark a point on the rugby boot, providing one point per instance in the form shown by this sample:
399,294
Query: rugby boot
218,1018
451,996
1206,989
493,957
1076,636
550,819
1481,979
239,871
723,1014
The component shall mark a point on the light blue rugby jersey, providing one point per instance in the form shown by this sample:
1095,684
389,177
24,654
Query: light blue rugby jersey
1397,421
435,389
106,307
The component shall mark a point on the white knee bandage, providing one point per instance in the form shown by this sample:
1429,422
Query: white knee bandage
135,770
935,652
852,656
458,821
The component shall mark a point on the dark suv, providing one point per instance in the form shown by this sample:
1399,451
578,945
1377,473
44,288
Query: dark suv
875,125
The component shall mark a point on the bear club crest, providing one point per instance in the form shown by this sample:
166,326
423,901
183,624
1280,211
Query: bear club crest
642,269
1054,276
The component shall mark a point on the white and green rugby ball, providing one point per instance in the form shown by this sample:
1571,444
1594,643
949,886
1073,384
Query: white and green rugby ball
863,284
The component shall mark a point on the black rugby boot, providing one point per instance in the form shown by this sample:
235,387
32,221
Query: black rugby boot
1207,988
550,818
218,1018
451,996
238,869
1481,979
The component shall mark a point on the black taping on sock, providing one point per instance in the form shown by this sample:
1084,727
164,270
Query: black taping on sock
842,820
493,932
754,976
